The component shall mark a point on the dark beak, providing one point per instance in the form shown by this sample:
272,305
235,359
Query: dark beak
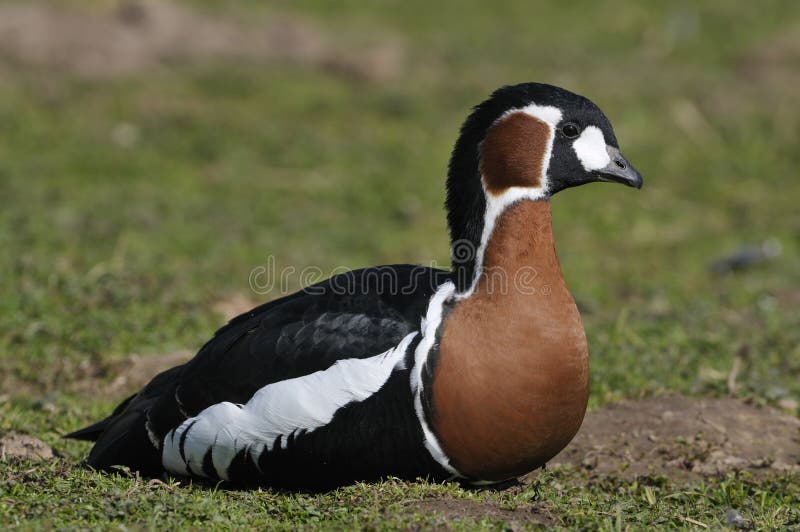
619,170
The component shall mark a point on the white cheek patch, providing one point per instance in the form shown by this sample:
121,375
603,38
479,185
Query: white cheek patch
590,148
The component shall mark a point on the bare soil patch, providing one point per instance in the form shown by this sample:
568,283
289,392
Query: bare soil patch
114,379
129,37
684,438
130,374
22,446
464,509
234,305
134,371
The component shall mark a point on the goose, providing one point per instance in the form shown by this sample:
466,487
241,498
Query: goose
478,374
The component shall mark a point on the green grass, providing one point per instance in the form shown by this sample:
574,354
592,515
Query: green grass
59,494
110,250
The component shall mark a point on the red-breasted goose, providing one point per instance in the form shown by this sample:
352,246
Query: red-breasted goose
480,373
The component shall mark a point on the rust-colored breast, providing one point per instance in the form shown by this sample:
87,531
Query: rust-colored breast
511,385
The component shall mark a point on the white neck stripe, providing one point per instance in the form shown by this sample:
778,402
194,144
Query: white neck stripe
496,204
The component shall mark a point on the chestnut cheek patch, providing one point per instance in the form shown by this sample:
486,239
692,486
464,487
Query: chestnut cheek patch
514,152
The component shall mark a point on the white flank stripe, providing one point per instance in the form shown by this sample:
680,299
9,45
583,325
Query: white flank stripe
279,409
431,324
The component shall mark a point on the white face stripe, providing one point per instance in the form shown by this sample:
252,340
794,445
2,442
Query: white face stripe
546,113
301,404
550,116
591,150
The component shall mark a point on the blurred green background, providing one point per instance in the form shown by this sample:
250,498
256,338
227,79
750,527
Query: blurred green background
153,154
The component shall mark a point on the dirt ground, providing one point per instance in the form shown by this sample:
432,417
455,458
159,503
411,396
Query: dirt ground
684,438
133,36
460,509
13,444
129,374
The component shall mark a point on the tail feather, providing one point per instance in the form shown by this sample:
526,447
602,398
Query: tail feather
90,433
93,431
122,438
125,442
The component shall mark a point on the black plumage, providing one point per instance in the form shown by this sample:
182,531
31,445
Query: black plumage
365,441
357,314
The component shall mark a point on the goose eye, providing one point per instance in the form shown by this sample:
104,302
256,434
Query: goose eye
570,130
